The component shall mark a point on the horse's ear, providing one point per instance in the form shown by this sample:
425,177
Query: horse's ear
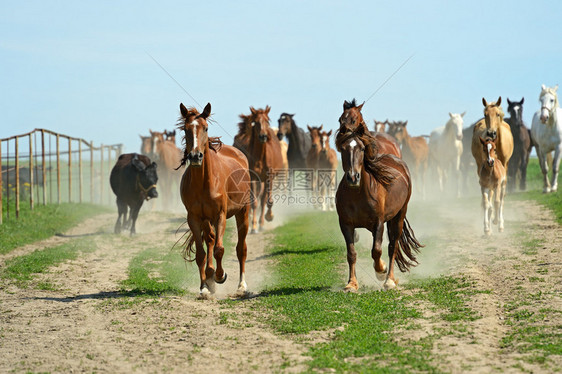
329,133
484,102
309,128
508,101
267,109
183,111
451,114
361,106
346,104
206,111
404,123
543,87
291,115
499,102
463,113
320,128
253,110
522,101
555,88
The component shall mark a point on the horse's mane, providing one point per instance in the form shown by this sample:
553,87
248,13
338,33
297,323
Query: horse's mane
214,142
372,161
243,127
349,104
552,91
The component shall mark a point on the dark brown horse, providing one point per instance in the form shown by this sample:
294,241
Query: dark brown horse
242,139
265,161
351,119
522,145
299,141
415,152
375,189
323,160
214,187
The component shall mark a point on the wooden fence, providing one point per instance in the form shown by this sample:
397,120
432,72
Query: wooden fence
48,167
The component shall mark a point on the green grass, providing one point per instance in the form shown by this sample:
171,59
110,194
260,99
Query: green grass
22,269
553,201
310,272
42,222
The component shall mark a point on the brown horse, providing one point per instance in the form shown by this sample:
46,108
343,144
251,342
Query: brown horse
214,187
380,126
375,189
146,146
493,179
168,158
264,155
493,126
352,118
242,139
415,152
327,166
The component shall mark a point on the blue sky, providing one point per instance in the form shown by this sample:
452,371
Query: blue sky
82,68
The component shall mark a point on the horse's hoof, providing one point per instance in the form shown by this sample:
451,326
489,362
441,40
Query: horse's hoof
269,217
253,231
350,289
389,284
546,190
382,274
500,229
221,281
205,294
211,285
487,233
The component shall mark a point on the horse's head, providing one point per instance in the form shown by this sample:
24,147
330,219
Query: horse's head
146,178
195,127
146,145
170,136
455,123
325,140
157,138
398,130
352,151
380,126
549,102
285,122
351,117
260,123
515,110
489,149
316,142
493,113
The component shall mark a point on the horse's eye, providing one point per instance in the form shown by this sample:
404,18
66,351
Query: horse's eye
353,122
206,129
551,100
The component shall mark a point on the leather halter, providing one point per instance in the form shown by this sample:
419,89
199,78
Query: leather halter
144,190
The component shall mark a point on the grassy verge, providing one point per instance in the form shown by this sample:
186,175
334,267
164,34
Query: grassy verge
362,328
22,270
42,222
553,201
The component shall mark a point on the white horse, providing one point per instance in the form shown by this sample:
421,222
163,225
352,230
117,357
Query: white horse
546,132
445,149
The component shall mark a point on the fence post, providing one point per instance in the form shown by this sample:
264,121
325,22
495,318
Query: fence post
58,170
69,169
108,171
43,170
1,187
31,180
80,167
17,179
101,174
91,145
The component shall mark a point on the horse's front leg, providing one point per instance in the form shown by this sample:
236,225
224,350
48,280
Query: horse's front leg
376,251
263,203
544,168
200,255
220,275
556,167
501,193
255,189
348,232
241,248
268,192
210,240
486,207
394,228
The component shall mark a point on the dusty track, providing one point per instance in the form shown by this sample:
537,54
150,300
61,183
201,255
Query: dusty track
90,326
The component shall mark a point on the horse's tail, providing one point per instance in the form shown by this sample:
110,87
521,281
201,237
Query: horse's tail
409,246
188,252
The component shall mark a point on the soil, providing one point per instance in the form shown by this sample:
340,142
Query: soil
88,325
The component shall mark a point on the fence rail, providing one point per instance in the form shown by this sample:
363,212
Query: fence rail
31,174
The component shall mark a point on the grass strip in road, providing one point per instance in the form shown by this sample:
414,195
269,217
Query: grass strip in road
309,275
42,222
22,269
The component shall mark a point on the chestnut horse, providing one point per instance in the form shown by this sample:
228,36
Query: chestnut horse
493,126
264,155
415,152
375,189
168,157
323,160
381,126
493,180
352,118
214,187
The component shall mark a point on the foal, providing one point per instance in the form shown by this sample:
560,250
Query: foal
493,181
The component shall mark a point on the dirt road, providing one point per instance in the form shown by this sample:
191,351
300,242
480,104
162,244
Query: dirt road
88,325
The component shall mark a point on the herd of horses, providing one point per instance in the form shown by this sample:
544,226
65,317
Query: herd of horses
218,181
